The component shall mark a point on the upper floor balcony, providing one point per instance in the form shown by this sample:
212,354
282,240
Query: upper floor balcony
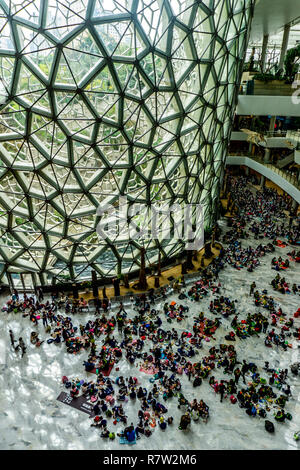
269,105
290,183
294,138
272,140
263,85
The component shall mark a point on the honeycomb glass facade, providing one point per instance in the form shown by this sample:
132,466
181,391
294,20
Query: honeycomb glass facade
102,98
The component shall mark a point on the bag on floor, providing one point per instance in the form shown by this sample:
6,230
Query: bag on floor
294,369
269,426
197,382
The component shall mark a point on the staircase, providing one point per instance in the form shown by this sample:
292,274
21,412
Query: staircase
286,161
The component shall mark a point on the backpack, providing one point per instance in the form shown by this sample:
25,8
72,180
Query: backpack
269,426
262,413
197,382
294,369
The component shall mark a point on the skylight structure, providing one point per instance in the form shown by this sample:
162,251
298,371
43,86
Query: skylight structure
102,98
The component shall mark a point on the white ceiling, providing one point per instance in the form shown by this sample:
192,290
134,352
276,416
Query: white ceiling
270,16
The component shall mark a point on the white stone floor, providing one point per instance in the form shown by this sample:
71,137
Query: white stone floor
32,418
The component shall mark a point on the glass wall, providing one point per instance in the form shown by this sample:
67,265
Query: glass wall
102,98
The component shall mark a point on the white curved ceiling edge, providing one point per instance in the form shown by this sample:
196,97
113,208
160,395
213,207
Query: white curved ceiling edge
270,16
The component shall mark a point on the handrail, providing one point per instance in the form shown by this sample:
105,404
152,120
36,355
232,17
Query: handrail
275,133
291,179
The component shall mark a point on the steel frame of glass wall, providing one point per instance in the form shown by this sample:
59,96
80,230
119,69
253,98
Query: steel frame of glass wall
102,98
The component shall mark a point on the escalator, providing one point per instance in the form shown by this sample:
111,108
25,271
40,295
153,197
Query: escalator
286,161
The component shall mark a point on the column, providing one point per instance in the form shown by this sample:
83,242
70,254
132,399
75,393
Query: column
116,284
225,182
272,124
284,46
10,282
222,173
267,155
75,291
294,208
34,280
262,181
264,53
94,283
22,281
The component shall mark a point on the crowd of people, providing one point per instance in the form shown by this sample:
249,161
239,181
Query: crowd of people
279,264
166,344
281,285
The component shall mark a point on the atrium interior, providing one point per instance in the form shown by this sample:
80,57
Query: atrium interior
149,225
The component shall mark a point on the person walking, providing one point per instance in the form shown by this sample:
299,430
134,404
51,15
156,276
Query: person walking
98,305
45,321
121,309
12,338
252,287
40,294
244,370
237,374
120,322
21,346
222,390
265,325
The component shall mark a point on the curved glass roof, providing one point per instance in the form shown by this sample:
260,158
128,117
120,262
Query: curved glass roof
102,98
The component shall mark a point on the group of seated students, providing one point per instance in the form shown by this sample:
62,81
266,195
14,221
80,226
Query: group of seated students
279,284
222,305
73,305
279,264
295,256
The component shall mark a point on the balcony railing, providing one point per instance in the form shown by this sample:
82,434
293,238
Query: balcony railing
275,133
283,173
270,88
294,136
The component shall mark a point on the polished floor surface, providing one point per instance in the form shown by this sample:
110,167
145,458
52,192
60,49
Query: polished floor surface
32,418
